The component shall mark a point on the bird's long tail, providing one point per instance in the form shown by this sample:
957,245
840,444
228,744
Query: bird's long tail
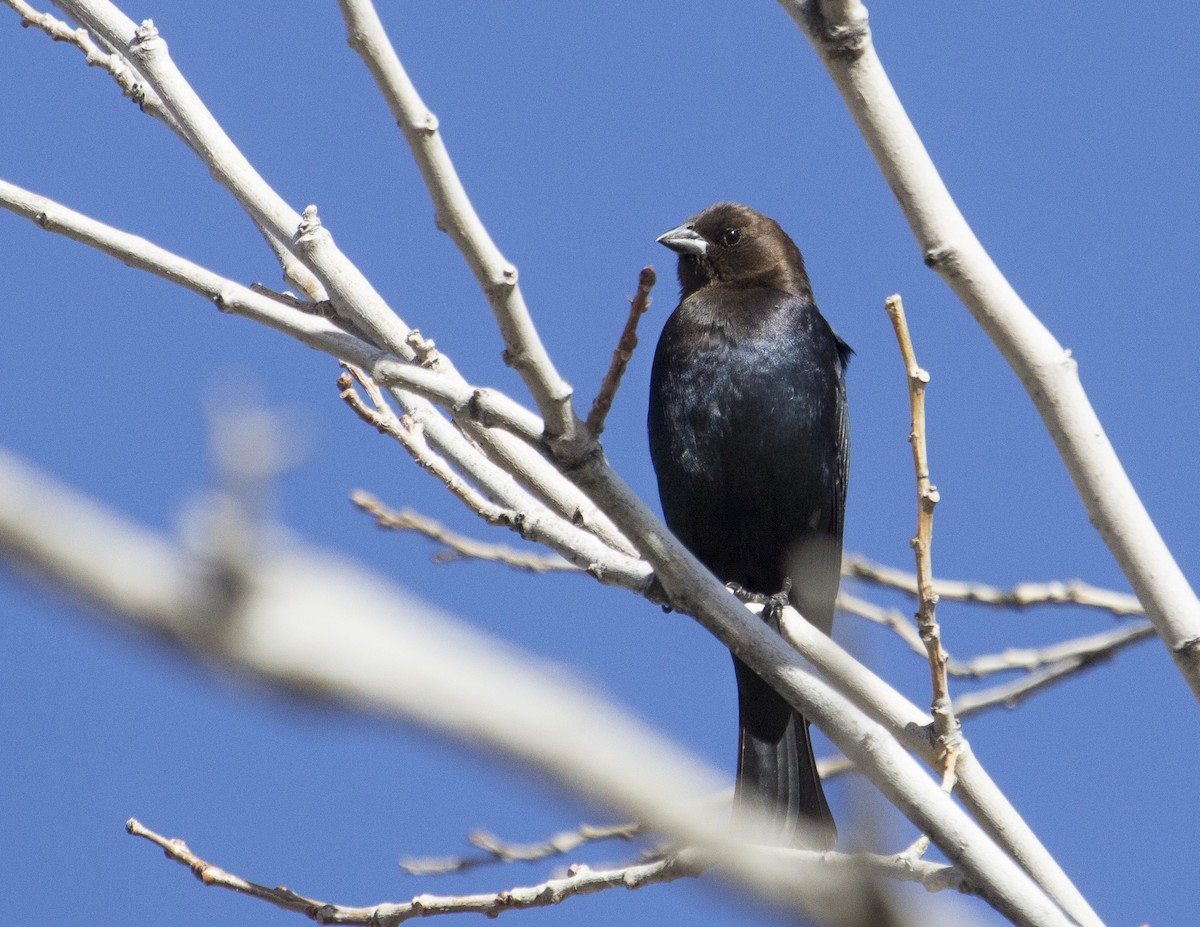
777,774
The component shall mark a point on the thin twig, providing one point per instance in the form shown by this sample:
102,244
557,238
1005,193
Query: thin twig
580,880
1105,644
98,55
457,546
534,523
944,721
1093,646
857,869
1071,657
380,416
498,851
1020,596
621,354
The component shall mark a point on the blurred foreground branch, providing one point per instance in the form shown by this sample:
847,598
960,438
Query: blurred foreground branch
304,622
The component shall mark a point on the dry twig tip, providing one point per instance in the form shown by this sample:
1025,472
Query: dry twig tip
621,354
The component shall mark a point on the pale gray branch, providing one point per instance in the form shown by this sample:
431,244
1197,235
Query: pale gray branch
456,216
839,32
496,850
1022,595
1088,649
537,520
457,546
349,290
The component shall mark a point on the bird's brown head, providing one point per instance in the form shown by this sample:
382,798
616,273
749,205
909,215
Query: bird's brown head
733,245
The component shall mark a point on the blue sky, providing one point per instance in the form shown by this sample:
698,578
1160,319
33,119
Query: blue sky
1067,137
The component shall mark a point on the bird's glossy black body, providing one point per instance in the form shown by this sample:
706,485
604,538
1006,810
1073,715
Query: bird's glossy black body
750,442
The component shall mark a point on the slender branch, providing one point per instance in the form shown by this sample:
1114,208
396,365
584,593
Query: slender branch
530,520
380,416
945,723
581,880
621,354
458,546
488,407
1011,659
349,290
1020,596
1087,650
456,216
839,32
97,56
498,851
437,436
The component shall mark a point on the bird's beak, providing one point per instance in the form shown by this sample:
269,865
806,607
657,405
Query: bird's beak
684,240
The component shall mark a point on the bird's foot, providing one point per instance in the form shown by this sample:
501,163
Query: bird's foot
775,604
772,605
747,597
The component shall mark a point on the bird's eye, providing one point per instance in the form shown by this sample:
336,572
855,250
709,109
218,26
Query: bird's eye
730,237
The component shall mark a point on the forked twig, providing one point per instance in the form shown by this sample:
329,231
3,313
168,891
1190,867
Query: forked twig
580,880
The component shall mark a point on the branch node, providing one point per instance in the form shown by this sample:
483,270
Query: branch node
424,348
144,37
309,225
940,257
847,37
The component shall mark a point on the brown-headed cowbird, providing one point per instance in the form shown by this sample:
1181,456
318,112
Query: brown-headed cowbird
750,441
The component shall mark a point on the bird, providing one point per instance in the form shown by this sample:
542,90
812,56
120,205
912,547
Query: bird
750,442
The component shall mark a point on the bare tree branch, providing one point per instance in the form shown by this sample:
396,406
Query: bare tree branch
1021,596
499,851
621,354
457,217
458,546
580,880
305,236
1088,649
96,56
839,32
949,734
